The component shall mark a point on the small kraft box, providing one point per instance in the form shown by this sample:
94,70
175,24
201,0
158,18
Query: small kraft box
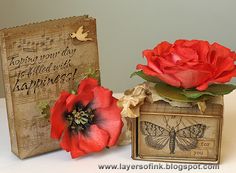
178,134
39,61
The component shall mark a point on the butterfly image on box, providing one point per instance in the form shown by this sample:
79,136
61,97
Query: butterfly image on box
158,137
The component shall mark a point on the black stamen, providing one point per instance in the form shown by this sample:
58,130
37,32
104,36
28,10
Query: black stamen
80,118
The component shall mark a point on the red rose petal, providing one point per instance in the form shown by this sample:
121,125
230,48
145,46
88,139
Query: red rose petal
175,58
192,78
146,70
224,65
217,51
180,42
186,54
94,140
168,61
109,119
148,53
220,50
199,46
162,48
190,63
164,77
152,63
187,43
203,86
202,49
57,119
102,97
226,77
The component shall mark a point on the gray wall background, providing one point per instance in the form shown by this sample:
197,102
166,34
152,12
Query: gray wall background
126,27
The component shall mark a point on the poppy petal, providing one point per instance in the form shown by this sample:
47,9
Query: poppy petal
87,85
57,116
102,97
71,101
85,90
70,143
75,148
109,119
65,142
94,140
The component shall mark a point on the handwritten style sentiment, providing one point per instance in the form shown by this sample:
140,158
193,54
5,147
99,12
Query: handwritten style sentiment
42,70
81,35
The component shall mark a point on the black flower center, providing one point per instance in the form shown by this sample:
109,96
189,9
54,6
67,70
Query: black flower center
80,118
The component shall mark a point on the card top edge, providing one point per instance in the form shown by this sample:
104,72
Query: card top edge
86,17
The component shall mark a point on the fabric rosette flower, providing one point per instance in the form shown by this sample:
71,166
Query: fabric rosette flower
88,121
190,68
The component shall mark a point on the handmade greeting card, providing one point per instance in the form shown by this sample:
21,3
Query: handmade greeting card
39,61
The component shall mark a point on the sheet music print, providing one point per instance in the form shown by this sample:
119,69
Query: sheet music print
34,131
178,136
34,135
54,44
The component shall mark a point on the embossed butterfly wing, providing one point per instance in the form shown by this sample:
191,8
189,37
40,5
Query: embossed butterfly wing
155,136
187,138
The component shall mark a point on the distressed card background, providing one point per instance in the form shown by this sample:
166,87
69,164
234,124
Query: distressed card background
207,146
198,135
39,61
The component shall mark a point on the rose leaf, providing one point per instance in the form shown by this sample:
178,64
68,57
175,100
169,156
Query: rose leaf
221,89
145,77
212,90
173,93
194,94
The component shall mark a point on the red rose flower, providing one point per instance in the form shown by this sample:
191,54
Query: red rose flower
190,64
88,121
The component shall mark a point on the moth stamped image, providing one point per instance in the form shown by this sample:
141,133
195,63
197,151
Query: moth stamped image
166,133
158,137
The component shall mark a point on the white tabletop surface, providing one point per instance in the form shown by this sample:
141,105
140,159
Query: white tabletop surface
60,161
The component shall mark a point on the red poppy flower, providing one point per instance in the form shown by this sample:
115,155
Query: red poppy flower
88,121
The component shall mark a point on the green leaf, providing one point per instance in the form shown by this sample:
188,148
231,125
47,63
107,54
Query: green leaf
221,89
173,93
145,77
73,92
212,90
194,94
